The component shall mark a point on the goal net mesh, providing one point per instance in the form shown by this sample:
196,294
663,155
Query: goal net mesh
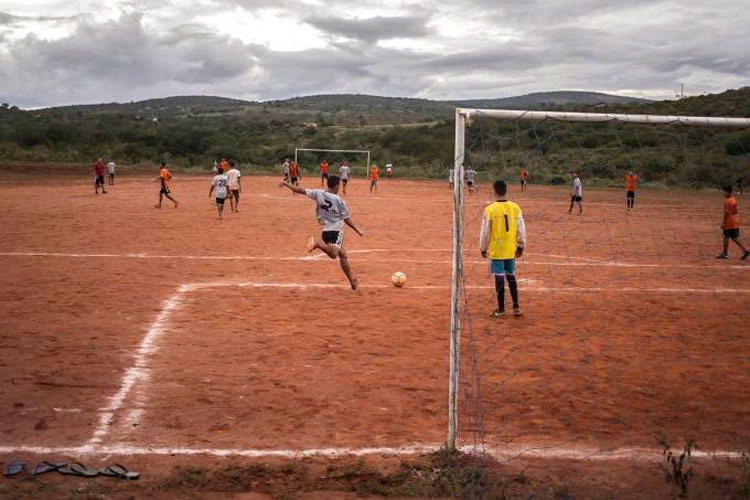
633,336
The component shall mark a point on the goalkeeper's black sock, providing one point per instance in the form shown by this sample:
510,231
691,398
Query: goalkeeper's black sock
500,289
513,285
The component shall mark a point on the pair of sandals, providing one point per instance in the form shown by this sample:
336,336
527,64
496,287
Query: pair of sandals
73,469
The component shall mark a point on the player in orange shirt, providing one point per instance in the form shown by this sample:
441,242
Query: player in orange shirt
323,172
164,177
731,224
294,174
524,178
630,181
374,175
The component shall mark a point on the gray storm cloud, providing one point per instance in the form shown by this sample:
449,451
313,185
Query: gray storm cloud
646,47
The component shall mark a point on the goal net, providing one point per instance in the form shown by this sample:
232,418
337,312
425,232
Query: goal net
633,337
358,159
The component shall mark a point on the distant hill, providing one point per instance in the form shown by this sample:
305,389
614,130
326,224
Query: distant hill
378,109
732,103
563,98
161,106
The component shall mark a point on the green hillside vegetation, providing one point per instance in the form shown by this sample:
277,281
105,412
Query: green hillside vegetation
415,134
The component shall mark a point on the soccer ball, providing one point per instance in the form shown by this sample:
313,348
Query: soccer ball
398,279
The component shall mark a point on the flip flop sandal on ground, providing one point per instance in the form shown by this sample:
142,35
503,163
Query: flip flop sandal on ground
78,469
122,472
13,469
107,472
44,467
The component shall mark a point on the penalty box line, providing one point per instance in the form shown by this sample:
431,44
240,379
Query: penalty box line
139,372
571,261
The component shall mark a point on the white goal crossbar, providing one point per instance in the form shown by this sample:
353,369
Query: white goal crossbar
359,151
464,118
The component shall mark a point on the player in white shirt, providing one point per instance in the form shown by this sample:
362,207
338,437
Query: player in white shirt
344,174
286,170
576,196
111,169
389,170
471,176
220,183
235,187
332,214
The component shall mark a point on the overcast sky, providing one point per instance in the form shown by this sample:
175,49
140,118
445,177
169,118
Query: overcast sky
56,52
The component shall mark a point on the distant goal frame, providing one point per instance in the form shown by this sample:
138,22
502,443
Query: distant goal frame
357,151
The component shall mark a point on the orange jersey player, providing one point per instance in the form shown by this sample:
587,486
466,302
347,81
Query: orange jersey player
294,173
630,182
323,172
374,176
731,225
524,178
165,191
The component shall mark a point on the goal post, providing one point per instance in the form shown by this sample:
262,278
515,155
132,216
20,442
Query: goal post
465,117
353,151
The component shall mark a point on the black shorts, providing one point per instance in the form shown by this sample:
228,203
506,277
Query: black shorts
732,233
631,194
576,198
111,175
345,181
523,181
294,179
470,183
373,183
324,175
99,179
235,192
164,191
334,238
220,201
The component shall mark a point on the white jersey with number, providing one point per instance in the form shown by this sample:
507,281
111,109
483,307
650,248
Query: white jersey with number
577,189
234,175
344,172
330,209
111,167
470,175
286,169
220,184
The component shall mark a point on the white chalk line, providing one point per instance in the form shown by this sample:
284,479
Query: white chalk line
139,370
528,281
592,263
504,453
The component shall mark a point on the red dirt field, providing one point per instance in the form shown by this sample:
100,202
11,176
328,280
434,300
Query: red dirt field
127,328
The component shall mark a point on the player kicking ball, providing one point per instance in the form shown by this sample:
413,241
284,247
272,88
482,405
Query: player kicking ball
332,214
502,239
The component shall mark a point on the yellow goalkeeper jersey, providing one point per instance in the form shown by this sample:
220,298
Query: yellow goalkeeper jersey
503,229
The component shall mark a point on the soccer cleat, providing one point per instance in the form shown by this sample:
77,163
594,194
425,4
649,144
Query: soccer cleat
498,314
517,312
722,256
745,254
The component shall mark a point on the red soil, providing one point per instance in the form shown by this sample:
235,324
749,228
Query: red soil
605,356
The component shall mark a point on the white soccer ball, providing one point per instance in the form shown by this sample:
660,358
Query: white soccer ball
398,279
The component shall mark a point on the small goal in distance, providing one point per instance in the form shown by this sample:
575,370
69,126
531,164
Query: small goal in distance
342,152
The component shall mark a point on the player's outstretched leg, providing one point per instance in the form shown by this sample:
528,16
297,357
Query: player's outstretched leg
169,198
344,261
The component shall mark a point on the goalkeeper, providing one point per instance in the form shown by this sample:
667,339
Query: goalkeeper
502,238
